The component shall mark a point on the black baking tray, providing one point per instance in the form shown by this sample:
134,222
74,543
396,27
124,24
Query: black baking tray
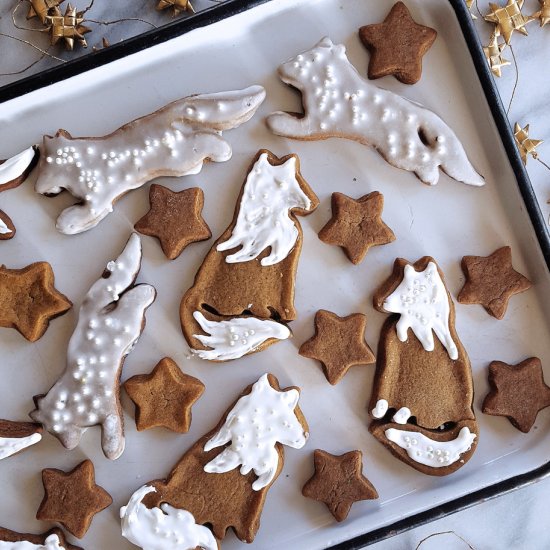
232,7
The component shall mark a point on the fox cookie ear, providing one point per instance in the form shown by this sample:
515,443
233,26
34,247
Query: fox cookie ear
325,42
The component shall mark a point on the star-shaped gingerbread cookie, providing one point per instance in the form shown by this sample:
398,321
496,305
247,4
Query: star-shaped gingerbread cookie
397,45
338,343
356,225
174,219
164,397
338,481
29,300
72,498
517,392
491,281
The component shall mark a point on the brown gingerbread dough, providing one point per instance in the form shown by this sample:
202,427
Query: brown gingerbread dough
221,500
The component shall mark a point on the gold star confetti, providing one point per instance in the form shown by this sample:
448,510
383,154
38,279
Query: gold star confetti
508,18
525,144
67,27
40,8
177,6
493,53
544,13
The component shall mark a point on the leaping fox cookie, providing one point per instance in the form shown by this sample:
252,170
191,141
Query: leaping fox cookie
110,322
173,141
338,102
421,404
243,293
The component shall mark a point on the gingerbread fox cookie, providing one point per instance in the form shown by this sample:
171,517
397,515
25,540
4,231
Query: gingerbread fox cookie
243,293
7,229
110,322
173,141
421,404
338,102
223,479
52,540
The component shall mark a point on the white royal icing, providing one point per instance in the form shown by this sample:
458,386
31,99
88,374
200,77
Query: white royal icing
164,528
256,423
338,102
172,141
11,445
380,409
424,450
51,543
422,301
402,415
269,193
109,324
233,338
15,166
4,229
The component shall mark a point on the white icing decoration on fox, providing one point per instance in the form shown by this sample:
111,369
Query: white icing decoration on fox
380,409
338,102
436,454
11,445
256,423
4,229
422,301
51,543
110,322
172,141
402,415
14,167
233,338
269,193
164,528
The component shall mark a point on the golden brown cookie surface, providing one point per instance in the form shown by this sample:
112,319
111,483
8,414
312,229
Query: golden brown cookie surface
174,219
338,481
517,392
491,281
29,299
18,436
72,498
397,45
356,225
338,344
164,397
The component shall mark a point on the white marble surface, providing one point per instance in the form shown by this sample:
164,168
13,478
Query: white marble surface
512,521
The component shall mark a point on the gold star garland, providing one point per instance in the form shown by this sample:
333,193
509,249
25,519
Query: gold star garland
177,6
508,19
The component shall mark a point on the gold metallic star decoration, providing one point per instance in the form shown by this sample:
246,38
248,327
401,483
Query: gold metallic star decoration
177,6
544,13
525,144
41,8
493,53
469,4
508,18
67,27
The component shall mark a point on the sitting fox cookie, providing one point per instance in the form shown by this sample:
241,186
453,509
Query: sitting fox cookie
422,396
173,141
338,102
223,480
110,322
243,293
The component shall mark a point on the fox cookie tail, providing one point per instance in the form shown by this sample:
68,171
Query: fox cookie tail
433,452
